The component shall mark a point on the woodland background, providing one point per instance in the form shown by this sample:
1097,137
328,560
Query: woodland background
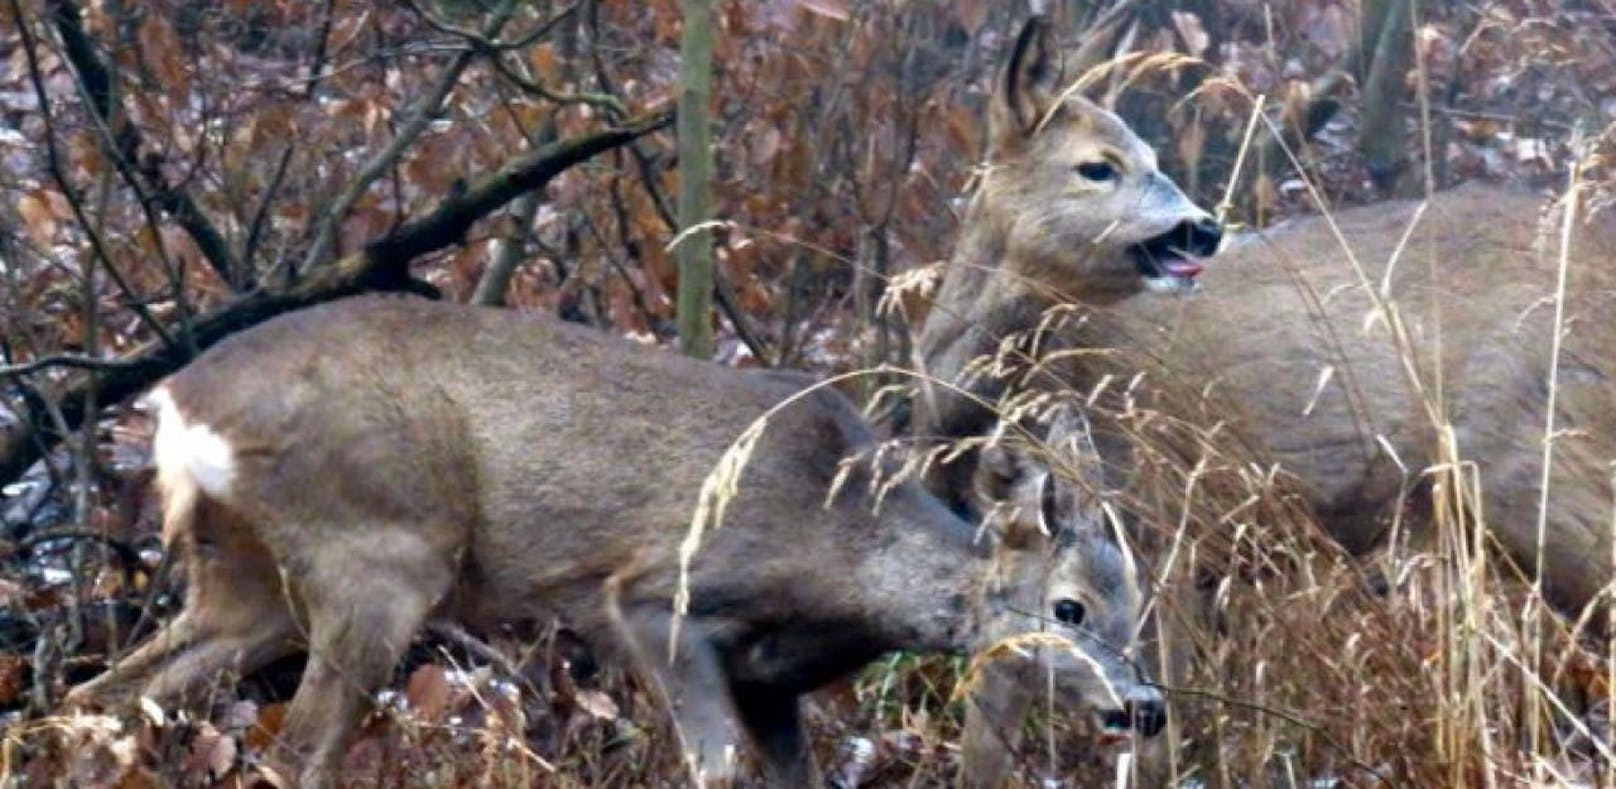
175,170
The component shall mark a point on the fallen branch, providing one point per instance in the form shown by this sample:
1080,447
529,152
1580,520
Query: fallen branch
383,265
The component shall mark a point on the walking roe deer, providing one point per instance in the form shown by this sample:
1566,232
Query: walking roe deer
336,476
1285,345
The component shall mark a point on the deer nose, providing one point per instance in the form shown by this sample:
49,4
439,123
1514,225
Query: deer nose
1200,237
1148,715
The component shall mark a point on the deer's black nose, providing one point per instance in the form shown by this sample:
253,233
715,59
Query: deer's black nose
1147,716
1200,237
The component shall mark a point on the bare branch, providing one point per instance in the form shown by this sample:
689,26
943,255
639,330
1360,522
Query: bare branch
419,117
59,175
123,142
382,265
317,65
74,361
485,41
496,279
604,101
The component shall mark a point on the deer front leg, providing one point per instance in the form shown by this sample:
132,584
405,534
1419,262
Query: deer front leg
773,719
994,713
694,688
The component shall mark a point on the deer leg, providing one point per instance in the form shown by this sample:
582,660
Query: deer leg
994,713
235,621
772,718
364,606
694,688
118,687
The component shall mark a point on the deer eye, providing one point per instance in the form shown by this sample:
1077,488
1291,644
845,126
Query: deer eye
1069,611
1099,172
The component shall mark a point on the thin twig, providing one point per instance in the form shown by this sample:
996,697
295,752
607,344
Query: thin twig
69,360
420,117
59,175
1288,717
445,630
123,142
485,40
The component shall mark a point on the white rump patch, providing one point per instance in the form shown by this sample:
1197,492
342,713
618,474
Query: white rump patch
193,450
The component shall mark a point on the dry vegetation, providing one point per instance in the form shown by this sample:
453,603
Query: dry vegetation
231,137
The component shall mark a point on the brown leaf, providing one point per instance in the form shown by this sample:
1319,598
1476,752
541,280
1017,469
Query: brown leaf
139,778
971,14
213,753
546,66
264,732
15,671
162,51
428,692
765,144
36,214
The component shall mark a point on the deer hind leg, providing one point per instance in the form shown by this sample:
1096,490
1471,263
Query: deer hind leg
694,688
772,718
365,598
235,621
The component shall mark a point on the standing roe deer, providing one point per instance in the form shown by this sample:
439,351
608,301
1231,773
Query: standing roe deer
1072,204
1071,201
1284,344
343,473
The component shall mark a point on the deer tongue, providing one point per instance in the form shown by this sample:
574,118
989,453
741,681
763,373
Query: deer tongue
1183,267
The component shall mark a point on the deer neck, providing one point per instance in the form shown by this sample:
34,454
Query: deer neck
923,584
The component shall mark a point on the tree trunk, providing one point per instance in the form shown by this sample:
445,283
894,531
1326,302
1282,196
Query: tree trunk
695,250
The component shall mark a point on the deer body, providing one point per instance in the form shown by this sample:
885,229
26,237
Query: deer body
1282,311
1279,313
337,476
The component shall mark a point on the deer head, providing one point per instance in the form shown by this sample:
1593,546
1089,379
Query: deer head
1072,198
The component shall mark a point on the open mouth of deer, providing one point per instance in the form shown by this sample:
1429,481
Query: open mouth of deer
1172,260
1164,265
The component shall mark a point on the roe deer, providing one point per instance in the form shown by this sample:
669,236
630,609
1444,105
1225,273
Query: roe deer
1285,346
1020,495
336,476
1072,203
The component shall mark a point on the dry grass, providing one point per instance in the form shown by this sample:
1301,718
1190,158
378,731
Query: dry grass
1287,662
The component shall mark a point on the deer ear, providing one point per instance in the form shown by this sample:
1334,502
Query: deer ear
1010,486
1027,85
1070,506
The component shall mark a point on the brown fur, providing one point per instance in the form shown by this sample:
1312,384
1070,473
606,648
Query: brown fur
396,460
1277,308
